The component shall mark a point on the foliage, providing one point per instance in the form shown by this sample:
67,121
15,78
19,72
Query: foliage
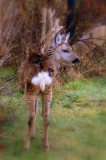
8,79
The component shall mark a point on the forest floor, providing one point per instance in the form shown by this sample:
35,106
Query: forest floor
77,121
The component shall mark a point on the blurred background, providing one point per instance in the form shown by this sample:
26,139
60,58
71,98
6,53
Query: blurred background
78,114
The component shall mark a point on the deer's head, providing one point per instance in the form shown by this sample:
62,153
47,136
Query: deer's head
63,52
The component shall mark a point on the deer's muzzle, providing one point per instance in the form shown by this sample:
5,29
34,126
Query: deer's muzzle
76,61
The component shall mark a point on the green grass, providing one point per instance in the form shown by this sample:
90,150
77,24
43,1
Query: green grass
77,123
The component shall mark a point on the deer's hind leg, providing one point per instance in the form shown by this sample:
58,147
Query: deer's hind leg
46,101
31,101
32,136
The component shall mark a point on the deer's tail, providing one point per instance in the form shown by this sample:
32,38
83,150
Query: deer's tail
42,84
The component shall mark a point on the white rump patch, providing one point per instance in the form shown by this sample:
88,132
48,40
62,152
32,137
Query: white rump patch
42,79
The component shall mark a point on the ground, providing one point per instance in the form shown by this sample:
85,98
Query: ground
77,121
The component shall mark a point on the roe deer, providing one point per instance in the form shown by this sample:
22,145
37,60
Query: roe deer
38,77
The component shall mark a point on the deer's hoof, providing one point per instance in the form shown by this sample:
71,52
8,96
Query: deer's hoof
46,148
26,147
32,138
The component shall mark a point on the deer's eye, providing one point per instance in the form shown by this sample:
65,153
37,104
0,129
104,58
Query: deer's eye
65,50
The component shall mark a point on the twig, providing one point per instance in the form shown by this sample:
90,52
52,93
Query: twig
6,137
89,70
12,117
8,82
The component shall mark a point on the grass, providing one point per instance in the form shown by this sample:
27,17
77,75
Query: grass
77,122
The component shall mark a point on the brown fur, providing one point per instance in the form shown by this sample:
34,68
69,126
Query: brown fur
34,64
62,54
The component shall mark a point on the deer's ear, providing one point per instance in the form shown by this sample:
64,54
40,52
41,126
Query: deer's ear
66,37
57,40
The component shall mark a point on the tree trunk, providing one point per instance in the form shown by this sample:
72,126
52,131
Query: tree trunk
70,18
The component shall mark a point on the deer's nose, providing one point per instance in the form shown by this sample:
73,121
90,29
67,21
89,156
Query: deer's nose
76,61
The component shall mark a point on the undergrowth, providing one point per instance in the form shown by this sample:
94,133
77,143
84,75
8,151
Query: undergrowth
77,121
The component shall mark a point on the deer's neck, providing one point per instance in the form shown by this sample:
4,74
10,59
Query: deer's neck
55,63
54,59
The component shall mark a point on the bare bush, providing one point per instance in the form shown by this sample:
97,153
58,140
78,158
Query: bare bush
89,36
21,26
20,29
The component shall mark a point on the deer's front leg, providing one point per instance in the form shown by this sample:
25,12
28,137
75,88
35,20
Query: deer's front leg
32,113
46,100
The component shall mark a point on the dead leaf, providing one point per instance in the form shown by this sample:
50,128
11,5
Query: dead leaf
2,146
1,132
